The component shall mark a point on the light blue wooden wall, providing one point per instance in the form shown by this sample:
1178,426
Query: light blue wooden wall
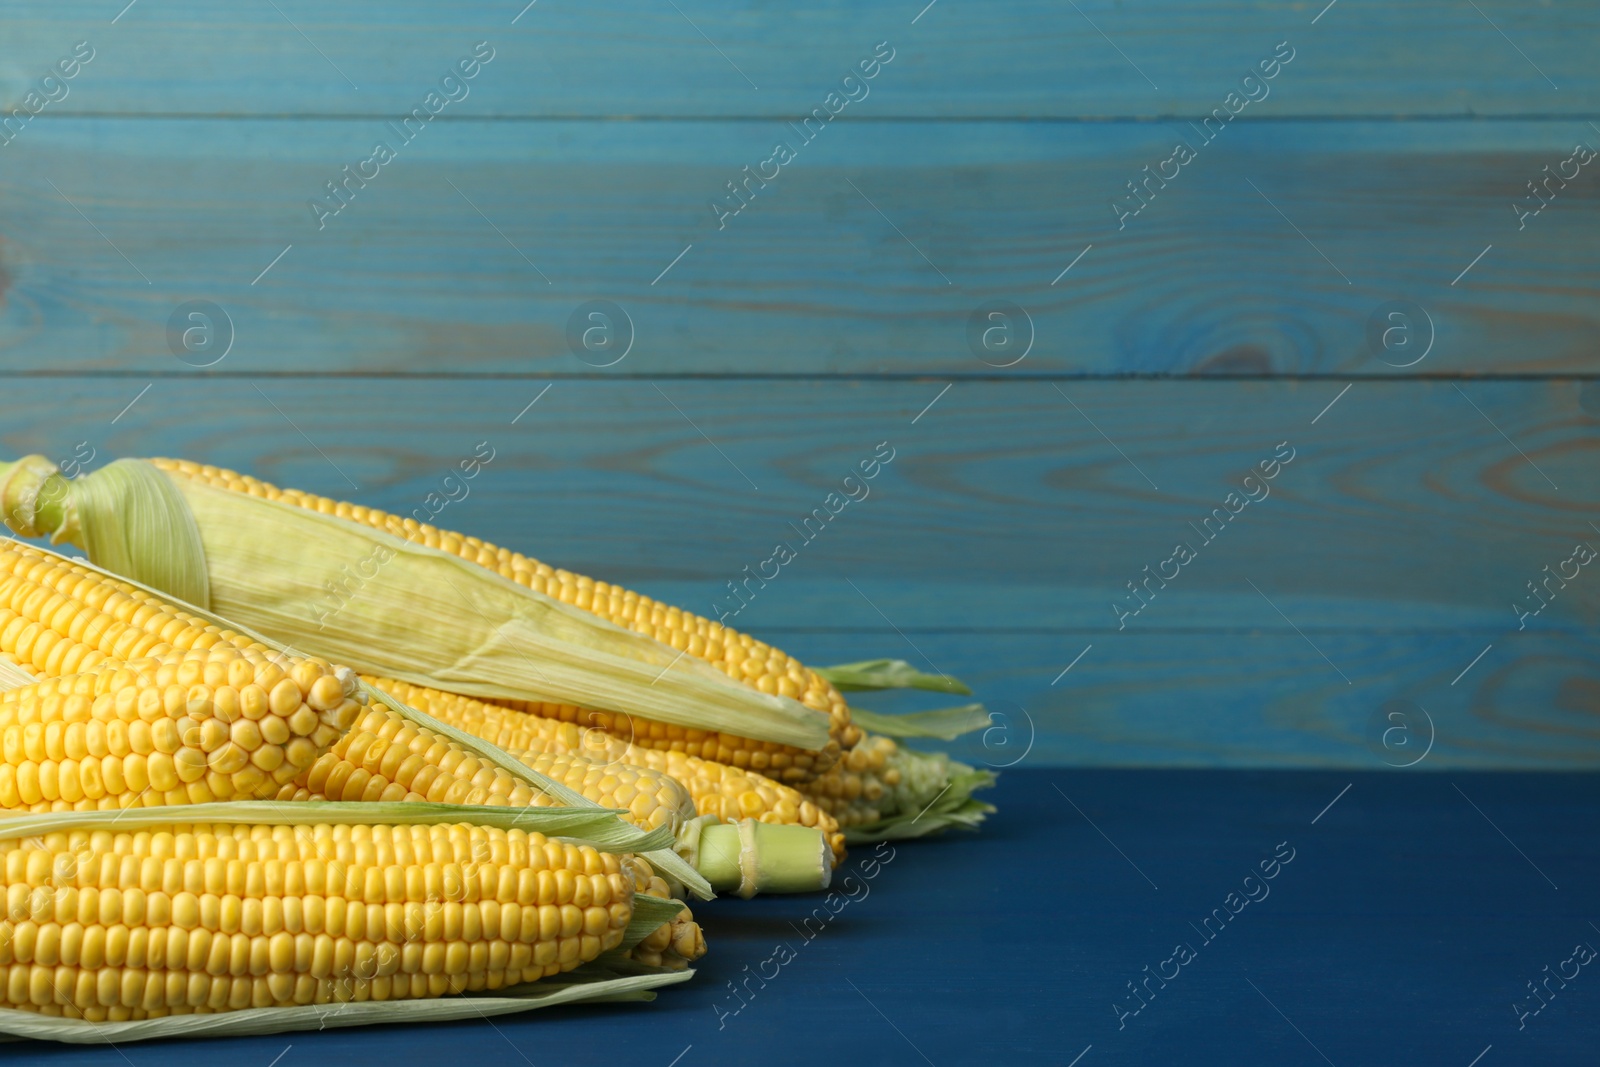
775,352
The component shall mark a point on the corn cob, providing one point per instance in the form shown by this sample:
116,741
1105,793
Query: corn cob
110,652
862,787
187,728
911,794
738,655
384,757
726,792
193,919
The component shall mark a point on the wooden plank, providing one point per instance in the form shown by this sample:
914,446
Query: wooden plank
1026,58
870,254
1254,699
1403,507
991,546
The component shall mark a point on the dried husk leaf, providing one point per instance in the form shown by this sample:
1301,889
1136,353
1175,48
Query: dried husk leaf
584,985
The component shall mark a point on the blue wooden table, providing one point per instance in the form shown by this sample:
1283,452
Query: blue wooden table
1369,918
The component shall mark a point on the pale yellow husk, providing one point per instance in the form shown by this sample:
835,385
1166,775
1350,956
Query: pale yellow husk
351,594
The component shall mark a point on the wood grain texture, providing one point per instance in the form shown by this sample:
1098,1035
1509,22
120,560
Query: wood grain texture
1258,696
1402,502
773,349
471,252
1027,58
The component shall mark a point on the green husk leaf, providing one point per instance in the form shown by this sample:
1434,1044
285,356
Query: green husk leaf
592,826
596,985
888,674
671,865
966,814
945,724
649,913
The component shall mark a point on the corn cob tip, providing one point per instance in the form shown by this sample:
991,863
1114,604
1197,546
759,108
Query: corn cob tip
674,944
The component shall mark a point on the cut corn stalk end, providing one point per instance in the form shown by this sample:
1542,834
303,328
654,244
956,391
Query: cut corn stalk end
750,857
33,497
